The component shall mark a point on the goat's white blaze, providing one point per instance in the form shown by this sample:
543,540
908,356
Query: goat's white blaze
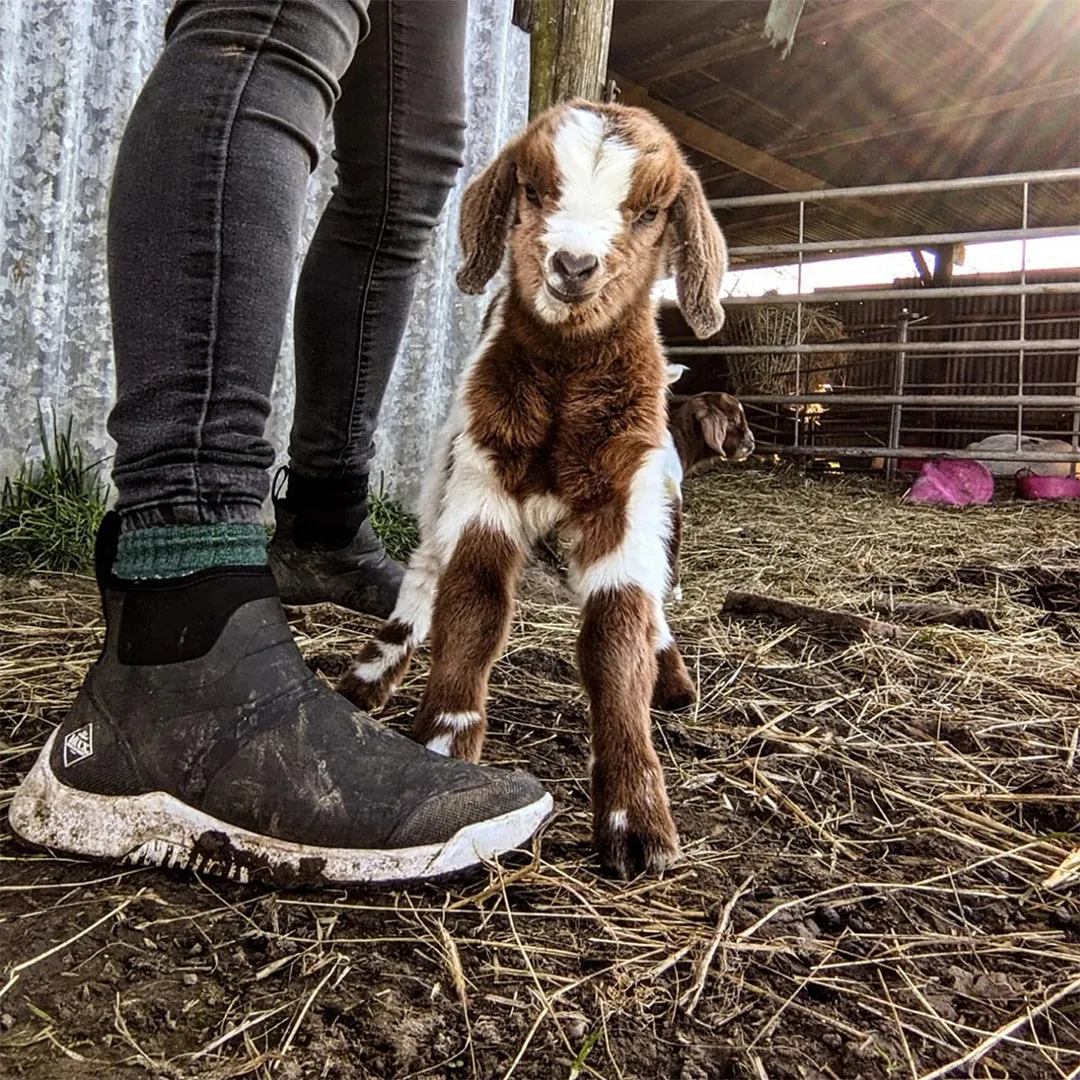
641,558
595,172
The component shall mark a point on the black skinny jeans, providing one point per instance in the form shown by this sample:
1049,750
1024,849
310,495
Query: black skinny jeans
204,222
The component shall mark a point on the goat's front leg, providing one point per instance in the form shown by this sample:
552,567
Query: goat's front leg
382,663
632,825
621,581
470,625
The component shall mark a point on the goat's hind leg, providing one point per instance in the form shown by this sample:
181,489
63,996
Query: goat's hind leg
674,689
470,625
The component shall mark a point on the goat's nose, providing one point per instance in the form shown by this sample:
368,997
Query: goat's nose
574,268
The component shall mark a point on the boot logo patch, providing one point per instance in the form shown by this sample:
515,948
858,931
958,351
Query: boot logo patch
78,745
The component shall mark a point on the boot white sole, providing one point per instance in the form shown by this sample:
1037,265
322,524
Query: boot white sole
157,829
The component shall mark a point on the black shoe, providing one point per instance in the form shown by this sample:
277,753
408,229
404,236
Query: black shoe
359,576
324,549
201,739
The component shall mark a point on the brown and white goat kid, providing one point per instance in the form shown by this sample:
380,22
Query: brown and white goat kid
559,423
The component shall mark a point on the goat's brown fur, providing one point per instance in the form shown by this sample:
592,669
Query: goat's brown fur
470,626
560,423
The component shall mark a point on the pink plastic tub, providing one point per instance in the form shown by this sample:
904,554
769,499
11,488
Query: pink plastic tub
948,482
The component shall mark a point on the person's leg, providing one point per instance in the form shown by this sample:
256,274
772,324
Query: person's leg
200,737
204,221
399,139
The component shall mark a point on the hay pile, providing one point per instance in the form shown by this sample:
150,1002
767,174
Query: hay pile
879,870
781,324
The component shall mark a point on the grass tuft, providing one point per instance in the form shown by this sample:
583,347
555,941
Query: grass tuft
50,510
397,529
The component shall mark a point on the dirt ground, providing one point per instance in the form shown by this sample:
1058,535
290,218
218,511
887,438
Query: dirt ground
879,870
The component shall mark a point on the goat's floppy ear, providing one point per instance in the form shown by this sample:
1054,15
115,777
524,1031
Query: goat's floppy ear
713,423
698,258
486,216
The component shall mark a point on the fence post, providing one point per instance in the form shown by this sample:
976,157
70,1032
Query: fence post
1076,416
899,376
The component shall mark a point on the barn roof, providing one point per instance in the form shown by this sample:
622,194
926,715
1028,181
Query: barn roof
872,92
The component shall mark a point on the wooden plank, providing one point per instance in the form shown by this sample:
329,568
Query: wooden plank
960,113
751,605
736,98
718,145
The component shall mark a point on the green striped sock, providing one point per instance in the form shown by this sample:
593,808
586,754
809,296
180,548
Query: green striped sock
172,551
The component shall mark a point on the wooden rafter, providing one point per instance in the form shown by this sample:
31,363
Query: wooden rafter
994,60
744,157
718,145
735,98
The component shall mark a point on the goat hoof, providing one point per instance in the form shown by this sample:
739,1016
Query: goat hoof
674,689
639,846
365,695
674,698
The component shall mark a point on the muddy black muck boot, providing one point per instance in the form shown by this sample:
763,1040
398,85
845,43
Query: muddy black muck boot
200,739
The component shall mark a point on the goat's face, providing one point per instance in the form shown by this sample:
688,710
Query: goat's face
722,423
592,202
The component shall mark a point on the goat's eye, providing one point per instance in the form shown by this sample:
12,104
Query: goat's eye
532,195
646,217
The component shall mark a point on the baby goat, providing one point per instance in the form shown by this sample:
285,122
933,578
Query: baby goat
708,426
559,422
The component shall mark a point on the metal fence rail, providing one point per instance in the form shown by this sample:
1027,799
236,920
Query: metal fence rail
915,187
802,409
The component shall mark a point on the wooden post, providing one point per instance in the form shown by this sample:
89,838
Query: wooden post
944,259
569,49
